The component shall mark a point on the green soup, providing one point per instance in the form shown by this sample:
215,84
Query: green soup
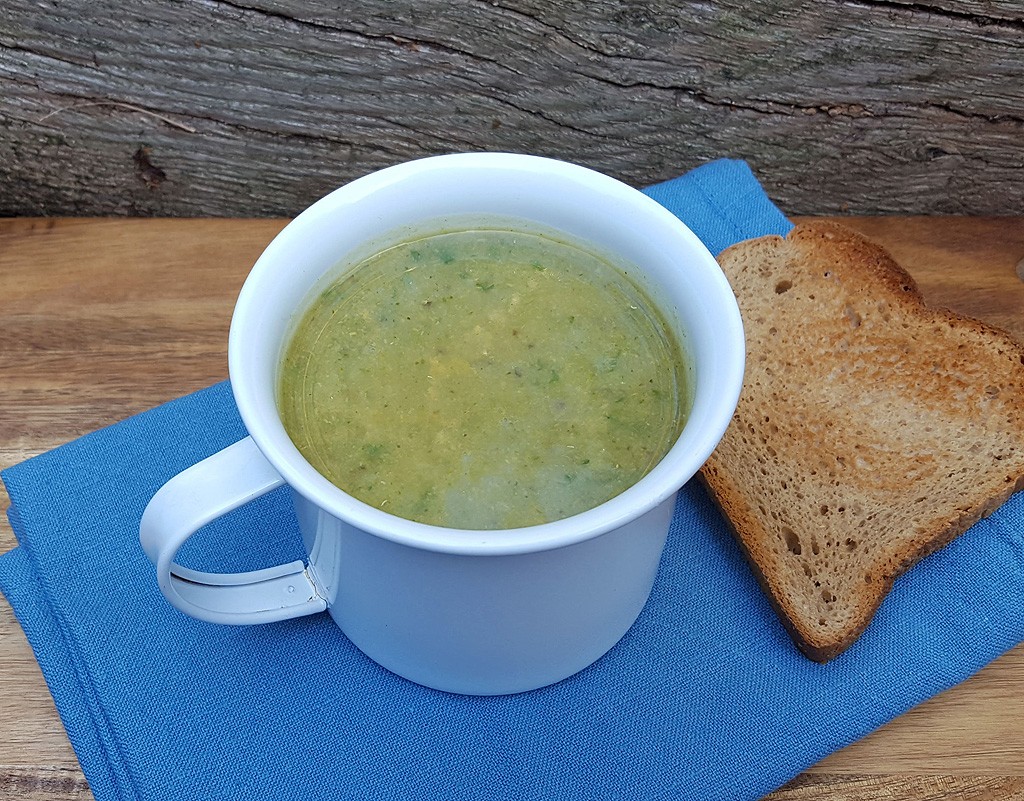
483,379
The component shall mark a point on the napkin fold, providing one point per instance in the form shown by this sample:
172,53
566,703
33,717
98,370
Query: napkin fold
704,698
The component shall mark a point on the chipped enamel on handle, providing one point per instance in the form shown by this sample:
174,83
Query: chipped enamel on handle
198,495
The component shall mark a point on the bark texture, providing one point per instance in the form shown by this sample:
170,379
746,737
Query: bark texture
258,107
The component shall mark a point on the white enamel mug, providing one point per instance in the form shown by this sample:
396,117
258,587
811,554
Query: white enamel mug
476,612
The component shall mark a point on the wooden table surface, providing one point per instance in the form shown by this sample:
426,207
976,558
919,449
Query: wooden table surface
102,318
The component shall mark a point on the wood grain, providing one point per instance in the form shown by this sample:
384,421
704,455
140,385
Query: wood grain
105,318
257,107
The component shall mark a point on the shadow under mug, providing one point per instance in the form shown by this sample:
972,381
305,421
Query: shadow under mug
475,612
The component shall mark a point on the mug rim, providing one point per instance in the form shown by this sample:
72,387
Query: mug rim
677,467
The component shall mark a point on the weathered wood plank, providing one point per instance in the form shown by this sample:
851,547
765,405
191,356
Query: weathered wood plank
257,107
43,784
811,787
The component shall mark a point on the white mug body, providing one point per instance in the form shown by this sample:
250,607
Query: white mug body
483,624
468,611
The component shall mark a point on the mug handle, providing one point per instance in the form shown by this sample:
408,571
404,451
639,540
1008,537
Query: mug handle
198,495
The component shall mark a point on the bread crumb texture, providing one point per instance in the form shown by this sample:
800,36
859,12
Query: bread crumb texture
871,429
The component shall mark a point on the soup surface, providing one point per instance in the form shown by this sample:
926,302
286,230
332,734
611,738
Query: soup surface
483,379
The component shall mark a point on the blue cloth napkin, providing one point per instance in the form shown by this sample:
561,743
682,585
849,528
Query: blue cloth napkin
705,697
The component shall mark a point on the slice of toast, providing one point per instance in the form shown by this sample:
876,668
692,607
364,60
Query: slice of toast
871,429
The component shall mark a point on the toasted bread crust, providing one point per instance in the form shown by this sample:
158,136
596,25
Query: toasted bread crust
871,431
